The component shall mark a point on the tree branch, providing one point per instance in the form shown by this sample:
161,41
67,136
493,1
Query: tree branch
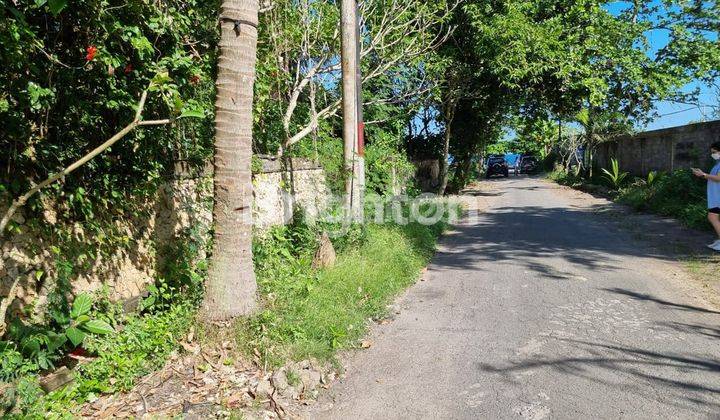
20,201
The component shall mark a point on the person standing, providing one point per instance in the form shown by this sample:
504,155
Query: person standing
713,192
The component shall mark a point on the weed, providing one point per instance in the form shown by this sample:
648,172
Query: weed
614,175
313,314
292,378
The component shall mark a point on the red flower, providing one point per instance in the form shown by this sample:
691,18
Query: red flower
128,68
194,79
91,51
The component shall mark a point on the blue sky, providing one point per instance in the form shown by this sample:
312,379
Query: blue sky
671,113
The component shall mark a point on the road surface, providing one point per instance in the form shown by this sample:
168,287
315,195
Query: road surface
539,308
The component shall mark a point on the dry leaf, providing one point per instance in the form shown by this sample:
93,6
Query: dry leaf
190,348
235,400
366,344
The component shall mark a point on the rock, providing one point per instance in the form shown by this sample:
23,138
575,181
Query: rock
263,389
50,215
310,379
279,380
325,255
57,379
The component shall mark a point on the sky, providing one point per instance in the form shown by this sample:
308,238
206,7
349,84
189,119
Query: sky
670,113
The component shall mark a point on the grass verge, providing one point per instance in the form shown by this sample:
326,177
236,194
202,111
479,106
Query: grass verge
313,314
307,313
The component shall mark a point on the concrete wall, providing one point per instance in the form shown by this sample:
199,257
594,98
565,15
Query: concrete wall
184,202
666,150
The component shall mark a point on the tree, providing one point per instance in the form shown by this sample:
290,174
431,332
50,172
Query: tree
231,285
300,52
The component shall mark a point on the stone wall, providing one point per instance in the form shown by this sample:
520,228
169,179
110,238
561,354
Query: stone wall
280,188
666,150
181,205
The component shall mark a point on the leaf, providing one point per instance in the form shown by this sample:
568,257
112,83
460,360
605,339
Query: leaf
56,6
82,319
192,113
97,326
81,305
148,302
75,335
161,78
30,346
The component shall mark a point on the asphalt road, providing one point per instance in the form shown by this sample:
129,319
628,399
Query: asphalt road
539,308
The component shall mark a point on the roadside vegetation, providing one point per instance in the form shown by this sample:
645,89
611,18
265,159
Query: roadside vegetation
74,73
678,194
311,313
307,313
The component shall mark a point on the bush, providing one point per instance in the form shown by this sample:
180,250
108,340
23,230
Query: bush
678,194
314,313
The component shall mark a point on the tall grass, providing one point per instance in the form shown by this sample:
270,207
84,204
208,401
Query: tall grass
313,314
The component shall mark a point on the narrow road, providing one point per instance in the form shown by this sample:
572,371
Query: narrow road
539,308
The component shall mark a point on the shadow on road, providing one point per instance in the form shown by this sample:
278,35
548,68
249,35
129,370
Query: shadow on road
681,327
665,377
527,235
647,297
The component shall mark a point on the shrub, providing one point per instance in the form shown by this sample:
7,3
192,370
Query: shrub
311,313
614,175
678,194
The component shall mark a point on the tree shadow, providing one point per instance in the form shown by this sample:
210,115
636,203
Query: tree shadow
650,298
691,380
529,235
685,328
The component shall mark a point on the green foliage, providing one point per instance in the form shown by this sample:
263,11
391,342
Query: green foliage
74,74
678,194
386,163
652,176
140,347
38,347
614,175
312,313
139,344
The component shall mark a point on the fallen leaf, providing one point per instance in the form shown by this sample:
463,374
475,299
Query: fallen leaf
366,344
235,400
190,348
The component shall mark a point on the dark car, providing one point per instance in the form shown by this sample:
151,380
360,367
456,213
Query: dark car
527,165
496,165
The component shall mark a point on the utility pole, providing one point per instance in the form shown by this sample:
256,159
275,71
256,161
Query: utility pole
351,103
359,170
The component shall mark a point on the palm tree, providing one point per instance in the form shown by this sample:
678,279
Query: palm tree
600,126
231,287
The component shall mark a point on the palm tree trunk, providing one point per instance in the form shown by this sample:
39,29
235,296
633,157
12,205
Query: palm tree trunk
231,287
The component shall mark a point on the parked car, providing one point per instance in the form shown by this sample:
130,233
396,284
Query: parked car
527,165
496,165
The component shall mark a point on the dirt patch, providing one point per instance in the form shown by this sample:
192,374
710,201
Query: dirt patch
208,381
667,236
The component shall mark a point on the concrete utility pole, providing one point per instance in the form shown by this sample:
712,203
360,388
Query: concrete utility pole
352,105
